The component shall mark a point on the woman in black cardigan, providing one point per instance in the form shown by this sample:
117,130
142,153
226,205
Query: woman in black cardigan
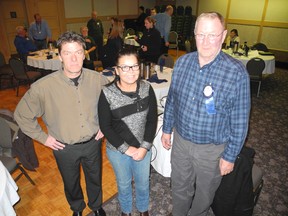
150,42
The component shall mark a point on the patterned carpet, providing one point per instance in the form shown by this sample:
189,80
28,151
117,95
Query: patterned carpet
268,135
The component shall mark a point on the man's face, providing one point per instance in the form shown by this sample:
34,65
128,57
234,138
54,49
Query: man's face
38,19
94,15
84,32
208,48
72,56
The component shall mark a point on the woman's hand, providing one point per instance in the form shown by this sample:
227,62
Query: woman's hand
141,152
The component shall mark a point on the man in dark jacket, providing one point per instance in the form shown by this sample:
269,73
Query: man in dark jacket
95,30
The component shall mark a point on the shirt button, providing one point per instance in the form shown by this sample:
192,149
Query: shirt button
82,126
193,98
80,114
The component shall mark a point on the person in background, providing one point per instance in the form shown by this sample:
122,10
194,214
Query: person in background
40,32
163,25
90,55
67,101
140,19
113,46
23,44
232,38
128,119
150,42
153,11
113,21
96,31
208,109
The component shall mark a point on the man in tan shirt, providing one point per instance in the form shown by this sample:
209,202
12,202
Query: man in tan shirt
67,101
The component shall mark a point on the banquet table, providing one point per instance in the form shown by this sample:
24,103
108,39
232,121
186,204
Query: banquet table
8,192
39,60
160,156
269,60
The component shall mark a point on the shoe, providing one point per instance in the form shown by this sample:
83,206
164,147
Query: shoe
100,212
77,214
144,213
123,214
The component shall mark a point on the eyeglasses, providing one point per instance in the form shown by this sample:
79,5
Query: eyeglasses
211,37
125,68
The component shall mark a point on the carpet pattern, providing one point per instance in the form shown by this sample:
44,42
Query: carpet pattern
268,135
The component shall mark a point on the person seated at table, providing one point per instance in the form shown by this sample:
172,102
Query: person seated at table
90,55
114,44
23,44
232,38
150,42
127,111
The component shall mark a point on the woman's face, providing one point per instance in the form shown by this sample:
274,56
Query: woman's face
130,76
148,24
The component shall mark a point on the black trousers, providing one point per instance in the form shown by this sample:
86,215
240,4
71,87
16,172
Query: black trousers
164,49
69,160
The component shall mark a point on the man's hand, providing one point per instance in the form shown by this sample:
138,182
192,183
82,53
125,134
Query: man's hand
167,44
99,135
166,141
225,167
52,143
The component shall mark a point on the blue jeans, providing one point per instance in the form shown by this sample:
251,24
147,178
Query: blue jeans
126,169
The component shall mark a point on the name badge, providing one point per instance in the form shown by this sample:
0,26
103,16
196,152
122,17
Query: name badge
209,102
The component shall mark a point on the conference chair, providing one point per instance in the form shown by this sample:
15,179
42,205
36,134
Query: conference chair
5,70
260,47
187,46
129,31
8,161
21,74
173,41
255,67
167,60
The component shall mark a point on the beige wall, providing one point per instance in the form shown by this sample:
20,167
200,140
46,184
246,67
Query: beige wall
257,21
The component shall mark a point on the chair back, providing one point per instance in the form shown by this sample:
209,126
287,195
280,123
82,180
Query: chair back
255,67
18,69
5,134
2,60
173,38
167,59
129,31
187,46
261,47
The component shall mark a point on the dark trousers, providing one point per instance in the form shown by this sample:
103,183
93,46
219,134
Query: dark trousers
164,49
69,160
40,44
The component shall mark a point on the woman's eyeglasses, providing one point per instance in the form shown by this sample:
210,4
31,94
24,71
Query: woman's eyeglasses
126,68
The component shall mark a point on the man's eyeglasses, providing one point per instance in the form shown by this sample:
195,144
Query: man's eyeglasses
126,68
211,37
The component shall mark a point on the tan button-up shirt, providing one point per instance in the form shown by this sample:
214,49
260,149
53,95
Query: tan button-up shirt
69,112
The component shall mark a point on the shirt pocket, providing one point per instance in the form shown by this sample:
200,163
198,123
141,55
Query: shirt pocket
223,103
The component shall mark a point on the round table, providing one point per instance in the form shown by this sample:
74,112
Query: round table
8,192
39,60
269,60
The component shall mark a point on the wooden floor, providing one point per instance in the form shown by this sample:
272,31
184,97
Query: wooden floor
47,196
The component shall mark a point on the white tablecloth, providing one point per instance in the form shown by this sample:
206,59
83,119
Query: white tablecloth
42,62
161,156
269,60
8,192
131,41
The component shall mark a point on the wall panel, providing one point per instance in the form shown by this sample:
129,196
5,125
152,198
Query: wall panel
246,9
128,7
212,5
277,11
106,8
76,8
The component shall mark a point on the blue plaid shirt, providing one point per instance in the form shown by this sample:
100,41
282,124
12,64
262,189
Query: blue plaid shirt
185,108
